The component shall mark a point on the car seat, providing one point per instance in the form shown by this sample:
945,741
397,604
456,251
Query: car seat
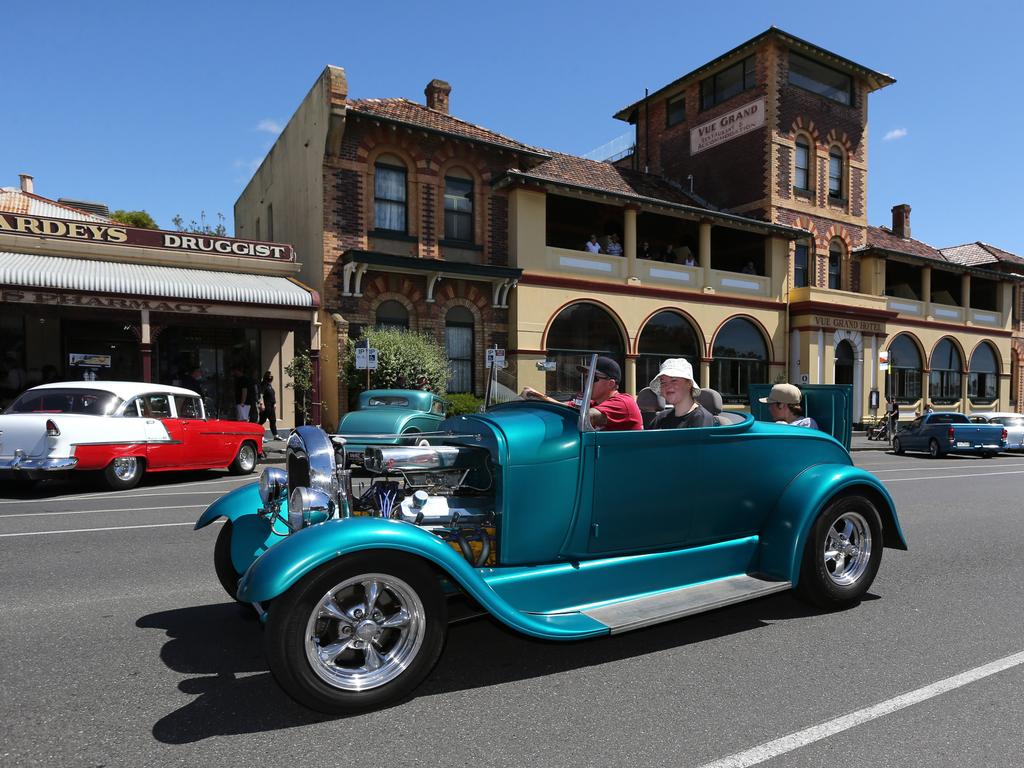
650,404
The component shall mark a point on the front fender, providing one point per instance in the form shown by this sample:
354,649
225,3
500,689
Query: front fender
232,505
280,567
785,533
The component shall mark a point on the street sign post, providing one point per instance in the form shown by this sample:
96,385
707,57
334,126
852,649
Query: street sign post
366,358
495,358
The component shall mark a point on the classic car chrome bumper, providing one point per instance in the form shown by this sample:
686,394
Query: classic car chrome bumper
23,463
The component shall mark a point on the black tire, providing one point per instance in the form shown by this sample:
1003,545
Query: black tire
226,574
412,439
822,583
245,460
296,615
124,473
933,449
897,447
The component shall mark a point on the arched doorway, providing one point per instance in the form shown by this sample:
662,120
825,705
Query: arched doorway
739,359
577,332
667,334
843,373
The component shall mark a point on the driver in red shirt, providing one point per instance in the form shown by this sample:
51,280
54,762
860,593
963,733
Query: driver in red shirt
610,410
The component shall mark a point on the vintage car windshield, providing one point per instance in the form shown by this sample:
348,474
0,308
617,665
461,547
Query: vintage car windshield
395,400
92,402
1008,421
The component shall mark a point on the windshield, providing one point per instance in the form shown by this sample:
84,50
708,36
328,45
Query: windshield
1009,421
93,402
379,400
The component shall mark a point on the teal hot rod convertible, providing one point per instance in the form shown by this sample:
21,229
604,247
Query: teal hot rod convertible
558,531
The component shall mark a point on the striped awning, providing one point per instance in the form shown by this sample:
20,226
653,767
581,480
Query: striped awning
94,276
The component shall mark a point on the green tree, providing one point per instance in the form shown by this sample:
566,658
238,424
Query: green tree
139,219
405,360
300,370
201,227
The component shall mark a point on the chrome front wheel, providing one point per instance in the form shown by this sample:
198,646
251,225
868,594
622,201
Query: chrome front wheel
357,633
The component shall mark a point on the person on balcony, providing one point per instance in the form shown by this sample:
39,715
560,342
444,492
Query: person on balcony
749,269
592,245
614,246
644,251
688,260
670,254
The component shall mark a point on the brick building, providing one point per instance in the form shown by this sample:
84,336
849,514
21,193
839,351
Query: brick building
735,234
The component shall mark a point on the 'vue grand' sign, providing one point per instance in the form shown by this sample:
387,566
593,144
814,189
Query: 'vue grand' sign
146,238
728,126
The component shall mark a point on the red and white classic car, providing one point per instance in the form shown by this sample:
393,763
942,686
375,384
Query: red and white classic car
121,429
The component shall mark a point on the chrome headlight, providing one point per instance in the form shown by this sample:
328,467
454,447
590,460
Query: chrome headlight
308,506
273,485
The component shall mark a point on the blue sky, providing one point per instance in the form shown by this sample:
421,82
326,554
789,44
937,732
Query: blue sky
169,107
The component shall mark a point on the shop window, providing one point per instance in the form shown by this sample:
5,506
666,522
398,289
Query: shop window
723,85
458,209
817,78
739,359
983,379
835,174
675,110
392,314
835,264
801,257
667,334
904,370
458,346
802,174
389,197
579,331
945,376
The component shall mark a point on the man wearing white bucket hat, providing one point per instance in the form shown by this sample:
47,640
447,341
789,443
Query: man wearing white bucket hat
675,384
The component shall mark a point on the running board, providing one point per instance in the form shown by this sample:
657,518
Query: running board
685,601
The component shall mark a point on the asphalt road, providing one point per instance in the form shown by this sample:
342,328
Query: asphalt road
120,649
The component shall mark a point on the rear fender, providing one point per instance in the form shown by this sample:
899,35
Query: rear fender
785,532
281,567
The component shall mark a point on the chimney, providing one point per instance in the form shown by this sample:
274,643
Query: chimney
437,92
901,221
26,182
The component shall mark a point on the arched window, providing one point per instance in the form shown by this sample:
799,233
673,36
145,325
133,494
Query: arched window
983,379
458,346
844,363
802,163
389,194
904,370
579,331
392,314
458,207
944,380
739,359
835,263
666,335
835,173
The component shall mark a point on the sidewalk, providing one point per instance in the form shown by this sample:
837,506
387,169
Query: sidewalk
860,442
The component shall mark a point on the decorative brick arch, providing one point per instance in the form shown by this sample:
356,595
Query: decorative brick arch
448,158
842,139
808,127
375,299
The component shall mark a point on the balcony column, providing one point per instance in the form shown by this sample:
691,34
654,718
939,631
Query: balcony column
964,383
965,295
630,372
704,250
705,372
926,290
1007,295
629,245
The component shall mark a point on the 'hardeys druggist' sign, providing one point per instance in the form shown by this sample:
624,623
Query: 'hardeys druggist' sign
147,238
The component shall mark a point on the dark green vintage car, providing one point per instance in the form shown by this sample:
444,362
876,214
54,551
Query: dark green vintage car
390,417
556,530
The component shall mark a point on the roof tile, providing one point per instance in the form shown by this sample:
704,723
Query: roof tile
15,201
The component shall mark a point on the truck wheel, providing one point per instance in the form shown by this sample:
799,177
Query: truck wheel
123,473
357,633
226,574
897,447
933,449
245,460
842,554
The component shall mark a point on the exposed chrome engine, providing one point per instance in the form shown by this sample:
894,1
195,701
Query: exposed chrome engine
447,489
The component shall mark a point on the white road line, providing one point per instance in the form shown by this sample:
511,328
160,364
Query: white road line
87,496
946,477
930,468
92,530
90,511
781,746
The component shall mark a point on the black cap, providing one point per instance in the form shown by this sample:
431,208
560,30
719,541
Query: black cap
606,366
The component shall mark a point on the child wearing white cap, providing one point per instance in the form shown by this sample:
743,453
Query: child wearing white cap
784,406
675,384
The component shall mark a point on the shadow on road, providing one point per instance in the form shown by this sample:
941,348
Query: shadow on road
220,648
86,482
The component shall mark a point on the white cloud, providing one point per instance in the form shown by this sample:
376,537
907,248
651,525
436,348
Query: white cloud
269,125
895,133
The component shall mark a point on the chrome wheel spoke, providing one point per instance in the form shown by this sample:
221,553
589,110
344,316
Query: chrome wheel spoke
400,619
328,653
330,609
374,660
372,591
848,530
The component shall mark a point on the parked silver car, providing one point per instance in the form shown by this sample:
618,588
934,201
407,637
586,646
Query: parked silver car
1014,423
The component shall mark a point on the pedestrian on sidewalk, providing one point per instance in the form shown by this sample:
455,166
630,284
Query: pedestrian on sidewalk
269,410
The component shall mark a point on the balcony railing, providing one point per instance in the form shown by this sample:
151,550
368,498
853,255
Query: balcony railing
906,306
583,263
947,313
